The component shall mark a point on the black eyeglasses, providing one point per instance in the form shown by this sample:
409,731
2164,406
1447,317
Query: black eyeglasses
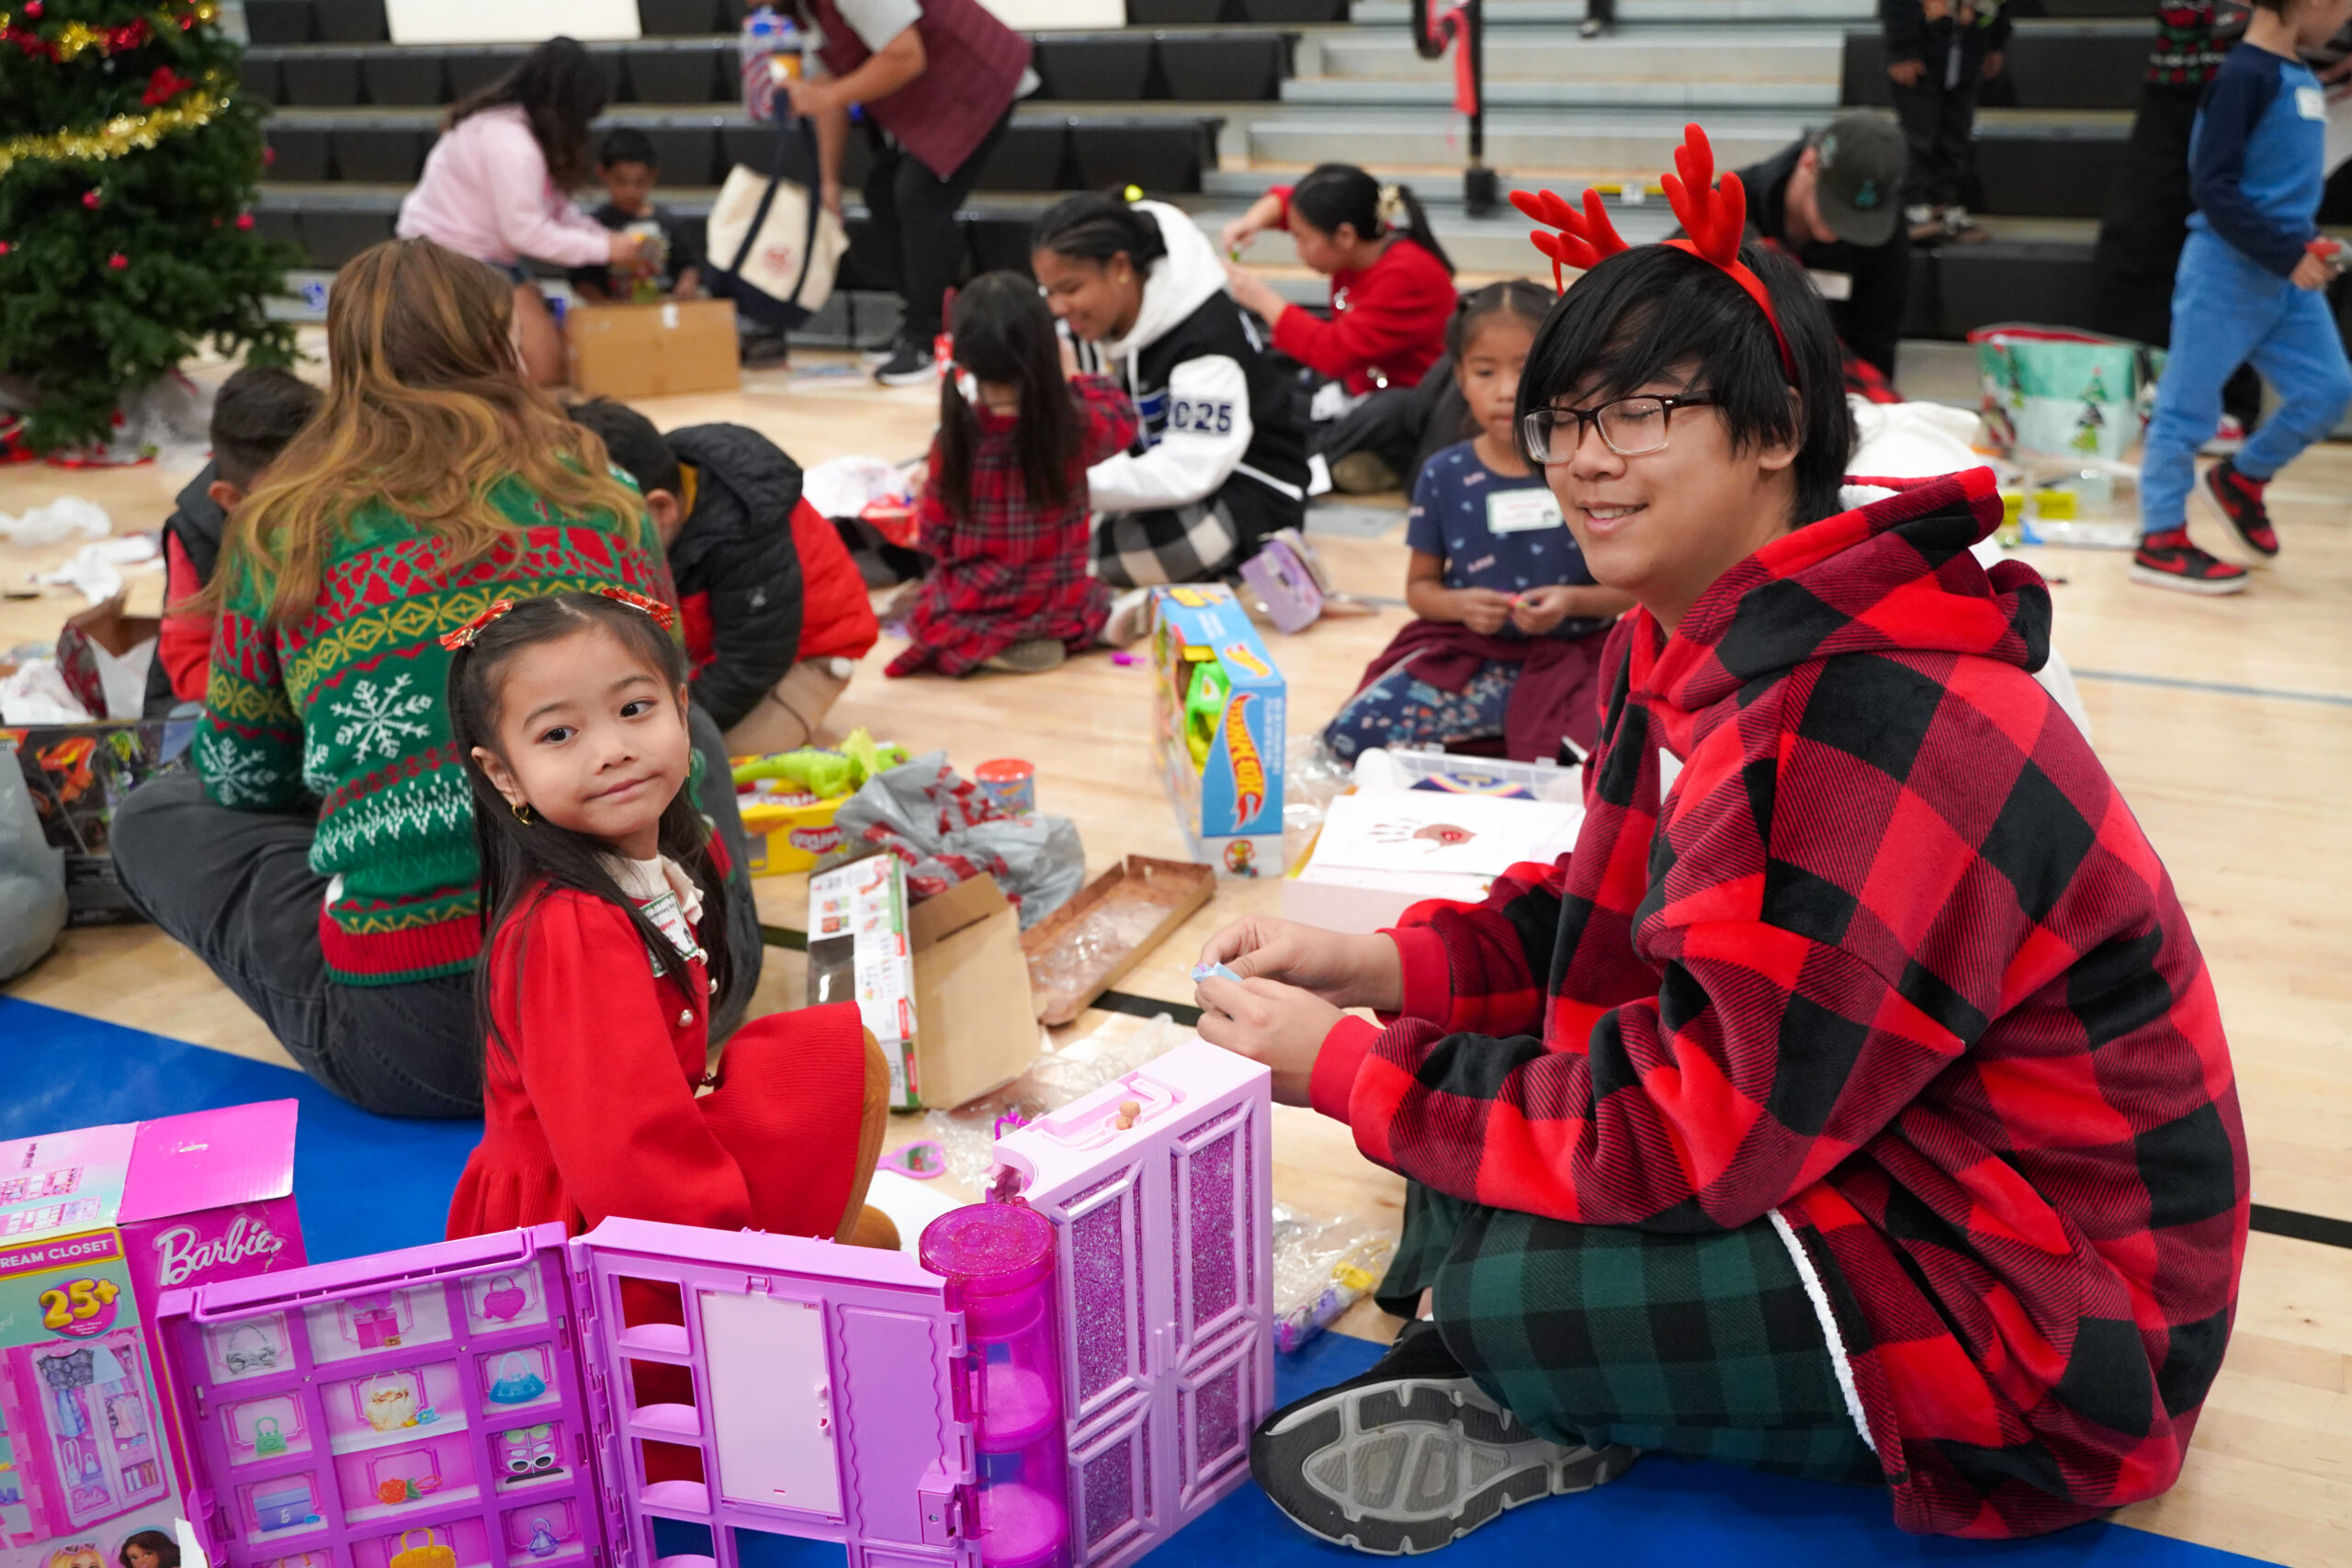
1629,426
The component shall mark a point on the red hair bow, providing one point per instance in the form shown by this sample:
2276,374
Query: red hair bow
664,616
464,636
1713,215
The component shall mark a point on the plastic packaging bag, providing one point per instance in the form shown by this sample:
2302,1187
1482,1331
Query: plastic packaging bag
947,830
1322,1267
67,517
1056,1078
32,877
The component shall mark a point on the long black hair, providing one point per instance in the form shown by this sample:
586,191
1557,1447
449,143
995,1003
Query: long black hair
521,859
1653,312
1333,194
1004,333
1093,227
560,89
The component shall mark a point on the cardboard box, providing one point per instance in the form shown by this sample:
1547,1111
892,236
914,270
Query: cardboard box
1382,851
941,984
787,833
656,350
94,1225
1217,710
77,774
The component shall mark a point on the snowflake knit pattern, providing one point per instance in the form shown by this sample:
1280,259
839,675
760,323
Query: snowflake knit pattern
345,702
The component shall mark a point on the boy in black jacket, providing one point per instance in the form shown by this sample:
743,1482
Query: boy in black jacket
723,497
1938,53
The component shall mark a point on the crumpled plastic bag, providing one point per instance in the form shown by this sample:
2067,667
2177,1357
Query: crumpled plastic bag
947,831
67,517
866,489
32,876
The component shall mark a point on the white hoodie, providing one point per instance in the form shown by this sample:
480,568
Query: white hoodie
1198,426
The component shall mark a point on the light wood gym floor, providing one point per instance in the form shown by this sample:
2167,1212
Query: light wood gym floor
2227,722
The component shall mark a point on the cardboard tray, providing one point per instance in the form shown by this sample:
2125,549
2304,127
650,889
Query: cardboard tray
1082,949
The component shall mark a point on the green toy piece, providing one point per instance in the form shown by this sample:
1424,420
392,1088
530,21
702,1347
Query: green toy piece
822,772
1204,709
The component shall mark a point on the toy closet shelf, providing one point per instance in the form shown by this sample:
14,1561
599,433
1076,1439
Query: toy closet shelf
687,1499
416,1508
362,1442
666,1421
665,1341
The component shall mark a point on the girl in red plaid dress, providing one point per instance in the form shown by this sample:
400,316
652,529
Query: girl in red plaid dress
1004,507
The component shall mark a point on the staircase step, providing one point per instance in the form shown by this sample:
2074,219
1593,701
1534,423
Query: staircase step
1695,97
1633,14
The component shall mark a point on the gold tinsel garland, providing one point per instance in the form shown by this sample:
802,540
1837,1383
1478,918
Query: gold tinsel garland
123,133
75,37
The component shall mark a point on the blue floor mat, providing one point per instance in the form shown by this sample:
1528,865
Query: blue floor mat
367,1184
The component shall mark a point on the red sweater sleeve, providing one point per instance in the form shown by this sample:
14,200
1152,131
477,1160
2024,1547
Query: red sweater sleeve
184,642
594,1040
1393,323
1109,415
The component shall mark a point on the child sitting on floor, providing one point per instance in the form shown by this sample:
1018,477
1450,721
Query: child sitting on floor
776,616
627,165
257,412
1505,647
1004,504
607,940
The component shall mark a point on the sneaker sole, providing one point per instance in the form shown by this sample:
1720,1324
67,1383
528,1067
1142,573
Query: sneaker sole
922,378
2207,586
1408,1466
2212,504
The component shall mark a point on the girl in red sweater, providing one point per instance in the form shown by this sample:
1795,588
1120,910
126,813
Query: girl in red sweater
1392,284
601,957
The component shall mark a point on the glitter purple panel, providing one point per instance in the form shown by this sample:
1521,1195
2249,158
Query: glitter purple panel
1216,1285
1110,1483
1098,1262
1220,1409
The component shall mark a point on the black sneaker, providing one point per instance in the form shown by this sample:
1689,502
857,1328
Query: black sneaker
2168,561
2239,501
1412,1455
909,366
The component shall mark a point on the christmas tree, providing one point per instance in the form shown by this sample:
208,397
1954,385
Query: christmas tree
128,160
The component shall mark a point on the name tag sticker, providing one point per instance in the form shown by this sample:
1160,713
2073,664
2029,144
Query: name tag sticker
2310,103
1522,511
1831,284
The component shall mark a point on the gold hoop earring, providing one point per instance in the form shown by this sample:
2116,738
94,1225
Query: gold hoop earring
522,812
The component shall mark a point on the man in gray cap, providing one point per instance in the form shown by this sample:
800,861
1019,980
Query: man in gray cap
1833,199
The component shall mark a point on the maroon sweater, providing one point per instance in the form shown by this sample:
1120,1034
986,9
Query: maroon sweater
1890,959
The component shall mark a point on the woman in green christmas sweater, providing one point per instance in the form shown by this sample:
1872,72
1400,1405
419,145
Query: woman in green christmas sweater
320,860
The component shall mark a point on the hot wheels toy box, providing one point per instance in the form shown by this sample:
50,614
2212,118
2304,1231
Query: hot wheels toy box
94,1225
1218,707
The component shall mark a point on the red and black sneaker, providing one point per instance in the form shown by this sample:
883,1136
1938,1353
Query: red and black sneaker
2169,560
2239,501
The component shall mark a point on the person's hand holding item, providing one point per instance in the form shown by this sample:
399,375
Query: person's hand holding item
1254,293
2312,272
1264,213
813,96
1483,610
1538,610
1907,72
1345,970
1281,1027
625,248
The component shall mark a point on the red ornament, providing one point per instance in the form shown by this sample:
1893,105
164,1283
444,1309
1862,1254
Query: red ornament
32,10
4,247
268,155
90,198
245,220
163,83
117,261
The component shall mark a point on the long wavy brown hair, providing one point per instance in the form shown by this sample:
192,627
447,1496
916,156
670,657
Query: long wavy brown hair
427,409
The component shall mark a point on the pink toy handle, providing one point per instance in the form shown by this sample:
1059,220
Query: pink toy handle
226,1302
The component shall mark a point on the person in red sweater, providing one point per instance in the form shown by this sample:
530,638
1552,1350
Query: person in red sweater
601,955
1852,1102
1392,284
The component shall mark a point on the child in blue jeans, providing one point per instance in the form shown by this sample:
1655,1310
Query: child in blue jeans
1506,642
2249,289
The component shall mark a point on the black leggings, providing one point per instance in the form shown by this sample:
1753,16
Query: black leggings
912,215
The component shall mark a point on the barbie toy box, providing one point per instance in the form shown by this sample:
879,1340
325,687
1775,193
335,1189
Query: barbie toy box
94,1225
1217,711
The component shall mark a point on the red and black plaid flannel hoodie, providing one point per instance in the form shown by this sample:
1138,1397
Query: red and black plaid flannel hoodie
1896,963
1008,570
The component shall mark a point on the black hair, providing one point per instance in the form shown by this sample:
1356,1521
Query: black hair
1093,227
518,856
1004,333
258,410
560,88
1653,311
1513,296
627,144
635,446
1333,194
166,1550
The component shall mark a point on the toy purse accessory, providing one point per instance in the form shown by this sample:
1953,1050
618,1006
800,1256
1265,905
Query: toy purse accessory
389,1401
268,1441
261,1356
518,1383
543,1541
504,1300
432,1554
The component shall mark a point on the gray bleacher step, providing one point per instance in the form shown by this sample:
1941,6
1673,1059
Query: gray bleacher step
1558,54
1707,97
1631,140
1636,13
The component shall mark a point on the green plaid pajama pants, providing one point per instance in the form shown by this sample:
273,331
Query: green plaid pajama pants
1704,1345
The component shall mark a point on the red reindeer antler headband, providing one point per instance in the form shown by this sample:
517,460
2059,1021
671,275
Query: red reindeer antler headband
1713,217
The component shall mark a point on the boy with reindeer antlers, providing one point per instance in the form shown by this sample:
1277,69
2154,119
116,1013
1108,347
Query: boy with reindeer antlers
1851,1104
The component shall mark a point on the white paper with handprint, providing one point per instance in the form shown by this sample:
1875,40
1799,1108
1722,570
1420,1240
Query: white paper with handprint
1424,830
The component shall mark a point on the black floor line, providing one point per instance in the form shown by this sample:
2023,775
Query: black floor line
2290,1223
